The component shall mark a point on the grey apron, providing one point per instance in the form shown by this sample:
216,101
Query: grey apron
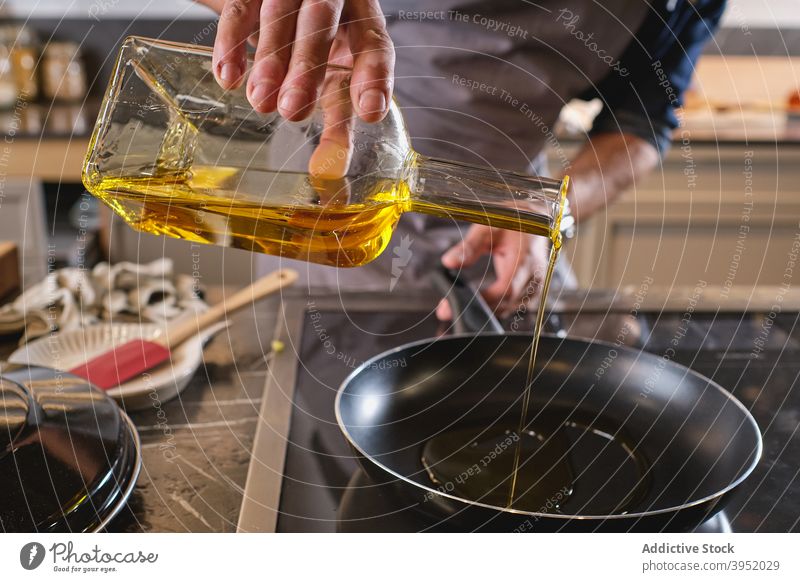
482,82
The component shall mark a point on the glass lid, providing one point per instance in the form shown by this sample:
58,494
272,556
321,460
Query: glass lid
69,456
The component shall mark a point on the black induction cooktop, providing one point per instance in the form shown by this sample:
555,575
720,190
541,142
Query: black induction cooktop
323,489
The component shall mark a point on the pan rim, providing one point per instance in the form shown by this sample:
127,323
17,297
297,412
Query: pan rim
536,514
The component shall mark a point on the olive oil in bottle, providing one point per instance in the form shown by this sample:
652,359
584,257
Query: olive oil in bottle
344,222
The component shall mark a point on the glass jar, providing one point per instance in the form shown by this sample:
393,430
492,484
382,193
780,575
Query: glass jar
24,53
63,74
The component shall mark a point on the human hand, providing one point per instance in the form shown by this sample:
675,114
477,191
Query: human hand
294,40
520,263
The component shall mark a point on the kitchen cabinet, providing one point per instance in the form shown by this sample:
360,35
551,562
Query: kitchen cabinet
726,214
25,164
22,221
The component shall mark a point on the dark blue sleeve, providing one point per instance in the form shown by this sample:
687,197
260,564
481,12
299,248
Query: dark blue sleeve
660,62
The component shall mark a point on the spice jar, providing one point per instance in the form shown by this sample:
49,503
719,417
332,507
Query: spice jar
24,53
63,74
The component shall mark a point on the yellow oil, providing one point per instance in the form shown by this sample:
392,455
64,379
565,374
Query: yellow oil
344,222
569,464
495,217
522,427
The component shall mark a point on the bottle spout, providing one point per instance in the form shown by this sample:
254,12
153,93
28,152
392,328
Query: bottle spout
488,196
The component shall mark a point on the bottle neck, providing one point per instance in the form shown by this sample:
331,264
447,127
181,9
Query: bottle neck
487,196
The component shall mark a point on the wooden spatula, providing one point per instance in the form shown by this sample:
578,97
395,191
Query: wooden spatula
132,358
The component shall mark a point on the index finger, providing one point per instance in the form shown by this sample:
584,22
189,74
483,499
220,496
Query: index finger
373,60
236,23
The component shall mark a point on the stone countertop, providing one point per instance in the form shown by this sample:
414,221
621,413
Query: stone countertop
196,448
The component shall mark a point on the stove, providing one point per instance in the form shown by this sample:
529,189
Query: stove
304,478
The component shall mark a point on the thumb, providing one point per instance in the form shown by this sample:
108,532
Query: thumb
476,243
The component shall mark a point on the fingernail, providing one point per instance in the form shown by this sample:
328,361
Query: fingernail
261,92
372,101
293,101
229,73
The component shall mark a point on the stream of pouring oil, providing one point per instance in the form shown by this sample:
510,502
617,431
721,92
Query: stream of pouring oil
526,397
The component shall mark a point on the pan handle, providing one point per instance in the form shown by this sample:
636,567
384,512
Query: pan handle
471,314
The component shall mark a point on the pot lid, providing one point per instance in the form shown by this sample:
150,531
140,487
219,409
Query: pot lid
69,456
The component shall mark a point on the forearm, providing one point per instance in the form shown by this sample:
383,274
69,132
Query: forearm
606,166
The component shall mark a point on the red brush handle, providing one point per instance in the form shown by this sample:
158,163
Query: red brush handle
124,362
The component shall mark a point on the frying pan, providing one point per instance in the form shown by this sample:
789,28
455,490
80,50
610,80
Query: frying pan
700,443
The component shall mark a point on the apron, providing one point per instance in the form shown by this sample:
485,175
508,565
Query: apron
481,82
